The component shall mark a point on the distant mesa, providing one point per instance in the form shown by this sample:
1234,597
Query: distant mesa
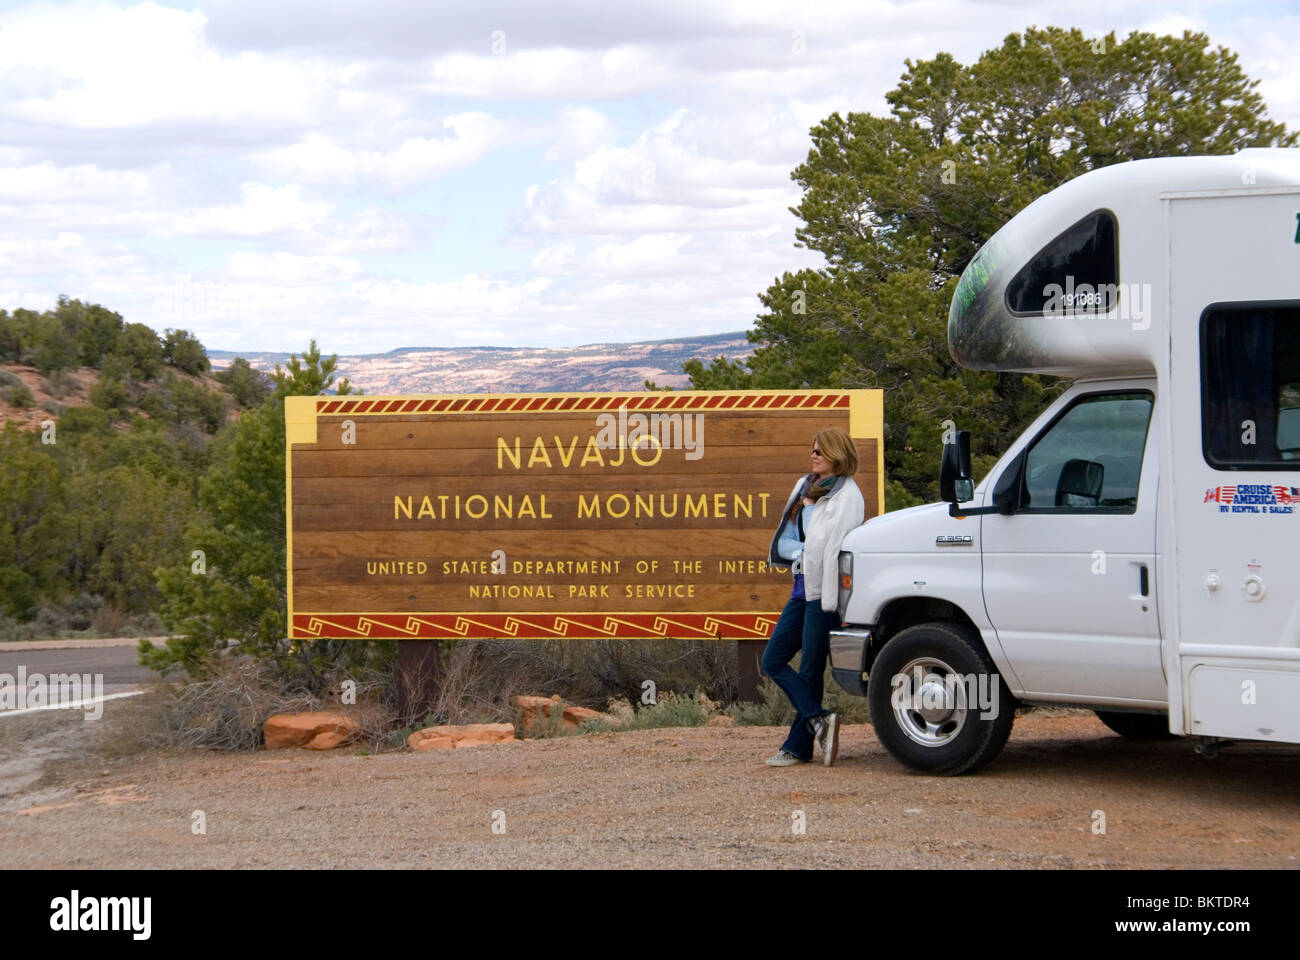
591,367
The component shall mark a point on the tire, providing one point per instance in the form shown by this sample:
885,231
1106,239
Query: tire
1137,726
932,724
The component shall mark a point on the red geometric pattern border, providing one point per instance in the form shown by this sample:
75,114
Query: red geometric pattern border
560,404
533,626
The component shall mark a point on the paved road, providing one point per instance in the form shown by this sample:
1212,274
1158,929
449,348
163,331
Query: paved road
118,664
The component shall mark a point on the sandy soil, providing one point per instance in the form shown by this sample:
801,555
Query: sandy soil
683,797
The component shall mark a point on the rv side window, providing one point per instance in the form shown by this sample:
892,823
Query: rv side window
1250,386
1077,273
1090,458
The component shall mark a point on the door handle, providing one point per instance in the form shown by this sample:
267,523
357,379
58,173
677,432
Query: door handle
1144,582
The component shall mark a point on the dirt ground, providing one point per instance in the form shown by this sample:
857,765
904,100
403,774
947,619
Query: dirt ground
680,797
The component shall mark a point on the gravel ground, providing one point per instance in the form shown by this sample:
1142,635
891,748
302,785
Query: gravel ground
679,797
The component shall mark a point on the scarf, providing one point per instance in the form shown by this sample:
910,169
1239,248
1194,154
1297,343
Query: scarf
816,489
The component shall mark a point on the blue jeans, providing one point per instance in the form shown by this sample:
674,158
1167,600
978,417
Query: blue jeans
802,628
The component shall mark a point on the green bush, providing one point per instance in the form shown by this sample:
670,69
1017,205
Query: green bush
12,629
9,379
18,396
772,709
249,387
670,710
11,343
59,384
111,395
182,350
179,401
550,724
141,350
53,351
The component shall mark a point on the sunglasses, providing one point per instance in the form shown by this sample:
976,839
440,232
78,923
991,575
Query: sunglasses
816,452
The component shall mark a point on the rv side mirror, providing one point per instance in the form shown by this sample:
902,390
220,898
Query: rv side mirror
955,485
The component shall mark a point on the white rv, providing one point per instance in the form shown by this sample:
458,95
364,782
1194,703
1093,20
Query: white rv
1137,550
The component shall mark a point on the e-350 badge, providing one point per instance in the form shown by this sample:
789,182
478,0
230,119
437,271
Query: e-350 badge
954,540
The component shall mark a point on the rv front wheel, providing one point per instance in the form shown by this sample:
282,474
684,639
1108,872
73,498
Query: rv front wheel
936,704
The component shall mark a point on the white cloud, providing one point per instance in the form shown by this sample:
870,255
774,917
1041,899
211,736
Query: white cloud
554,73
108,67
656,254
46,182
372,230
289,268
578,131
262,210
663,182
317,158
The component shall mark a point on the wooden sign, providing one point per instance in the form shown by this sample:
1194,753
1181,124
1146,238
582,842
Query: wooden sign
543,515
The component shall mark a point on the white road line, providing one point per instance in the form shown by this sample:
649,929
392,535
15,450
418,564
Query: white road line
71,706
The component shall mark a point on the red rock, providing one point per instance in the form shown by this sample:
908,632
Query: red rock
535,709
532,708
453,736
427,739
575,715
312,729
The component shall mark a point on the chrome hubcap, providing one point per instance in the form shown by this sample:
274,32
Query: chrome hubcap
929,701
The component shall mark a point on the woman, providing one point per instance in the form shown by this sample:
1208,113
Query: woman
823,507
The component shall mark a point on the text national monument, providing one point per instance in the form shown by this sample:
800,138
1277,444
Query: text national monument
552,515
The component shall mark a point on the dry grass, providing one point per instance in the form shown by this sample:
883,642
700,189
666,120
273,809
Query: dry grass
227,709
477,678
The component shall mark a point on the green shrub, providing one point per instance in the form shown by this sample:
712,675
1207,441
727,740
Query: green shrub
772,710
249,387
179,401
18,396
773,707
9,379
551,724
13,629
59,384
140,349
54,352
184,351
110,395
672,710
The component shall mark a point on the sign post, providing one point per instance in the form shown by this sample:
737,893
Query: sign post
552,515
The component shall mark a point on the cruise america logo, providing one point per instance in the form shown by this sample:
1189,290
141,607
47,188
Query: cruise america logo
1254,498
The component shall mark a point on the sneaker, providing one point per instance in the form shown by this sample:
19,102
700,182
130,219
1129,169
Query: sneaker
784,758
828,736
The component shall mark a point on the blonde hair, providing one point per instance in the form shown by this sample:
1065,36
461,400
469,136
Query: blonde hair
838,448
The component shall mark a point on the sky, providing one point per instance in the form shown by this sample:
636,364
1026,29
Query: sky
410,173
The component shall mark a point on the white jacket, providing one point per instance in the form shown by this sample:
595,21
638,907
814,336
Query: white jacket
837,513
